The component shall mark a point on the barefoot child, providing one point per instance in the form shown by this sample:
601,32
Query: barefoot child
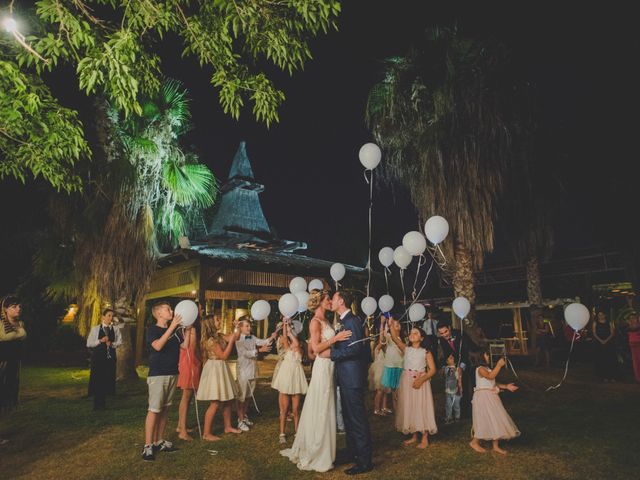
216,383
164,345
415,411
490,420
189,367
289,380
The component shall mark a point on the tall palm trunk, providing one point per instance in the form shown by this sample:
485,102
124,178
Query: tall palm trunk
463,281
534,295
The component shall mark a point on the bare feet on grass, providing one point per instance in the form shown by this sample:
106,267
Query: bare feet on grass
411,441
476,446
185,436
232,430
423,444
210,438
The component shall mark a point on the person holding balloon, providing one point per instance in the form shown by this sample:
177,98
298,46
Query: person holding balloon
189,368
376,369
289,380
392,368
164,341
416,412
248,347
217,384
490,420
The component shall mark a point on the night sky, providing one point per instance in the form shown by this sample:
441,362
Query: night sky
579,57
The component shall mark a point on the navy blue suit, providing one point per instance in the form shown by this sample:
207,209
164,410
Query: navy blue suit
351,367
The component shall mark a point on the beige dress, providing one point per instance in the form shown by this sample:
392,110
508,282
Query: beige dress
490,420
216,382
290,378
416,412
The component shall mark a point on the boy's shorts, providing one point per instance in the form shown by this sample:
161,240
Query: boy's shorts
161,390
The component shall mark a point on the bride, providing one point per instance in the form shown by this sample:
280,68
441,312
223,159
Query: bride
314,447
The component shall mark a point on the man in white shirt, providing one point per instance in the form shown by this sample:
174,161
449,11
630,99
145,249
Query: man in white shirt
103,341
248,347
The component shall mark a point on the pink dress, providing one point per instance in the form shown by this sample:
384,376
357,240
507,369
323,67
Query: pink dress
415,411
189,368
490,420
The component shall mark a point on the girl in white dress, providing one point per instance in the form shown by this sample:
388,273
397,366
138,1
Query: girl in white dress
314,447
289,379
490,420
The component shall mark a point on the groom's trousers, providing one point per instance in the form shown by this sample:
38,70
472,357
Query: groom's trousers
356,425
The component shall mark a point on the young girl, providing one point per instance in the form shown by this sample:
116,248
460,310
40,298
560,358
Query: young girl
216,383
289,380
375,379
415,401
392,367
490,420
189,368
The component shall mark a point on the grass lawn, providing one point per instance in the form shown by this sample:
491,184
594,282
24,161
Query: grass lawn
584,430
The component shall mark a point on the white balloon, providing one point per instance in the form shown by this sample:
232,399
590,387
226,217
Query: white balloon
415,243
288,305
337,271
386,256
370,155
461,307
401,257
385,303
436,229
303,300
298,284
368,305
315,284
188,310
417,312
260,309
577,316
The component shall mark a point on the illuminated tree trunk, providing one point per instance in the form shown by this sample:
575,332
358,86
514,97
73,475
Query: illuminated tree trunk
534,295
125,365
463,281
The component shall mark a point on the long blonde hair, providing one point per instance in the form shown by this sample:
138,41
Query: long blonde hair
209,331
315,299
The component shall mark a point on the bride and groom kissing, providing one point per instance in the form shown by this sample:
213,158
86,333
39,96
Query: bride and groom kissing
342,359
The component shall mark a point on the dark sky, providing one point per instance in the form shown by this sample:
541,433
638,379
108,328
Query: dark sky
580,57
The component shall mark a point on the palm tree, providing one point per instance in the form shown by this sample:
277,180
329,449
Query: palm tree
448,118
143,193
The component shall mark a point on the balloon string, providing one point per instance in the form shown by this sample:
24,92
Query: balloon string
566,368
370,212
424,284
404,294
420,263
386,277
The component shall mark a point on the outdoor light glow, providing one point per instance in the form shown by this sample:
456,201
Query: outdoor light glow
9,24
193,292
219,279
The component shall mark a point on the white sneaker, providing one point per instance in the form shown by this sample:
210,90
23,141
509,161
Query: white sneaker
243,426
247,421
282,438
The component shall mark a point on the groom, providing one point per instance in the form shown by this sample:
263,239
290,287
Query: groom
351,365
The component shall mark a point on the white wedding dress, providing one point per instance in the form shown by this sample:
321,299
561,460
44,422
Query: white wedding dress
314,447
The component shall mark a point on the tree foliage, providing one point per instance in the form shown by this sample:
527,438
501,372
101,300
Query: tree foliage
113,47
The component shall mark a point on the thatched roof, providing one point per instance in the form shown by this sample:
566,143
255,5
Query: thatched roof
239,219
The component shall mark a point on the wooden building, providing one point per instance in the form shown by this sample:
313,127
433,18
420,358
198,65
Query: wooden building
237,259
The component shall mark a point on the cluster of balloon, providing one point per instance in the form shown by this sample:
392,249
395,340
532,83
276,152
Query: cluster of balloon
260,310
337,272
188,310
370,156
298,287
